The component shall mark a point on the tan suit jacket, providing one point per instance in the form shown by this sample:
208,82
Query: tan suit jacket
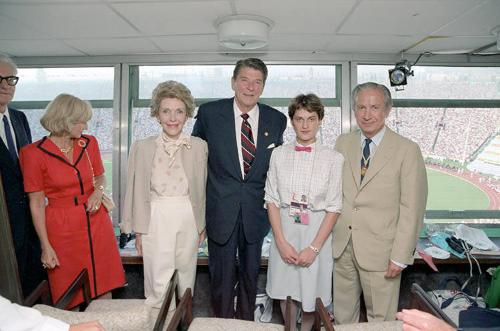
137,204
384,214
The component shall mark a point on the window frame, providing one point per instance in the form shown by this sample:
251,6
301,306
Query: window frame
486,218
126,90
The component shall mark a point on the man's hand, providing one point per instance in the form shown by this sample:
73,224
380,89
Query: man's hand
392,270
416,320
88,326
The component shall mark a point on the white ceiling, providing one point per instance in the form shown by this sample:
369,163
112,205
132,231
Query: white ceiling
137,27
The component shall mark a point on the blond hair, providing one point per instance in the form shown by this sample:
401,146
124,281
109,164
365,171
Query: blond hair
65,111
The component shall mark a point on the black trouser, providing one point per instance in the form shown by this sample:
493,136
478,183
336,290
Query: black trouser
232,275
29,264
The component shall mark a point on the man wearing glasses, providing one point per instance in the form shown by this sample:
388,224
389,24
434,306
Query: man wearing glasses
14,134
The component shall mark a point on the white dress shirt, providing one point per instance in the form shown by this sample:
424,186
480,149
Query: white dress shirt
253,119
376,140
14,317
2,129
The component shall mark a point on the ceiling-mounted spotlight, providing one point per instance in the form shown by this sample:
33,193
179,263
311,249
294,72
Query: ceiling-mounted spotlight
398,75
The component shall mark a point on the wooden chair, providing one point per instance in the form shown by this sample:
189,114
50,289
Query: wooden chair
289,319
322,317
215,324
422,301
120,314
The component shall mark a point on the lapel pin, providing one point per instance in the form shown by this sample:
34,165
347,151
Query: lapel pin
266,134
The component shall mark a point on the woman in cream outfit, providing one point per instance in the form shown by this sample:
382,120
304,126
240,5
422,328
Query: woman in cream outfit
303,199
165,198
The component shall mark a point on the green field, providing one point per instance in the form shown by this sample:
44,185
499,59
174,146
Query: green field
447,192
108,168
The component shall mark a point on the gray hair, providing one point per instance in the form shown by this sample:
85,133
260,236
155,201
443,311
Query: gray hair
372,86
4,59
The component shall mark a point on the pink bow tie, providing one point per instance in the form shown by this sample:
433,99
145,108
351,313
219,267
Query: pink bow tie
307,149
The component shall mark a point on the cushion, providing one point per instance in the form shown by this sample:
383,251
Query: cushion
115,305
136,318
216,324
372,326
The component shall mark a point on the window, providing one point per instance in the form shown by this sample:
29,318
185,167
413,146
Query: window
38,86
211,82
453,113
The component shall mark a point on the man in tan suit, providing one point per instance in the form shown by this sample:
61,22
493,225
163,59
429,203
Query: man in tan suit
384,197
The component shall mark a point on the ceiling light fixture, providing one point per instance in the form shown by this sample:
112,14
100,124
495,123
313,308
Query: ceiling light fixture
243,32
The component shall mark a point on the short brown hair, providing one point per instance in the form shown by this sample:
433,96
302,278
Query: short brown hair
174,90
65,111
253,63
310,102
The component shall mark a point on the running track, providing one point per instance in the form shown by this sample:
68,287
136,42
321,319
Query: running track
474,180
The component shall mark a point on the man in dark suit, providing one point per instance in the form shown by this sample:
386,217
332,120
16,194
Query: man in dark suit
15,133
241,135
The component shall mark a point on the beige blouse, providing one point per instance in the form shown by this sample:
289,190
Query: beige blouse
168,178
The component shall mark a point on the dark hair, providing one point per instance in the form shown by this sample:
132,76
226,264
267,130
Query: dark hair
372,86
253,63
310,102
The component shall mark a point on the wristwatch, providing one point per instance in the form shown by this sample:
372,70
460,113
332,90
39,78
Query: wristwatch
314,249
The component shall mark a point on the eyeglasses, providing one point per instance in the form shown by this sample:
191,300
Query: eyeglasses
11,80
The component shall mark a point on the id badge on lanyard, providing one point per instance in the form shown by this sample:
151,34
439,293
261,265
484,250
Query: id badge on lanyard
299,209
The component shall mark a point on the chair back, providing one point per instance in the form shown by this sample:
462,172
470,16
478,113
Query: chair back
169,295
422,301
322,317
81,282
10,282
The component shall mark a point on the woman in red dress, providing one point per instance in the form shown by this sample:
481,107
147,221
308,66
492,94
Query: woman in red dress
64,177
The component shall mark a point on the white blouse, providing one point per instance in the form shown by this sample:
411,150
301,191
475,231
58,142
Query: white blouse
317,174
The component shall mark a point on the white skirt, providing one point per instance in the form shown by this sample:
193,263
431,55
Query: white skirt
302,284
171,243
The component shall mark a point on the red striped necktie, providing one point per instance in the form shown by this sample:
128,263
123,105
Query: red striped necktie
247,144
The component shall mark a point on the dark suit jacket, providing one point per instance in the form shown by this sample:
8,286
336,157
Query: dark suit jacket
227,191
17,202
